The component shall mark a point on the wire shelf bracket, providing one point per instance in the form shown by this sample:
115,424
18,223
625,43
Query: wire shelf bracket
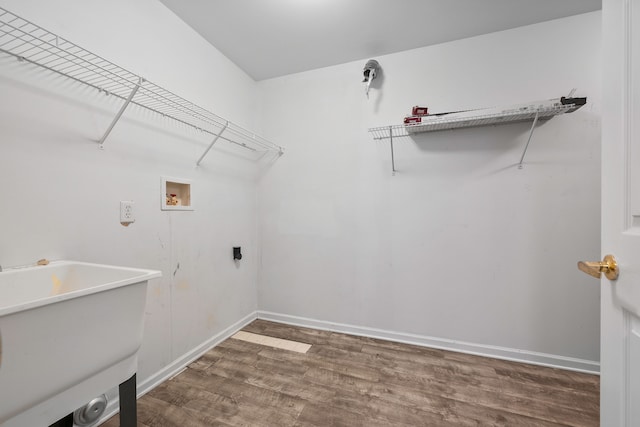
32,44
117,117
524,152
218,135
536,111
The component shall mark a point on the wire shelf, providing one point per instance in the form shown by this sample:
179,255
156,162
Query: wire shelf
536,111
434,123
33,44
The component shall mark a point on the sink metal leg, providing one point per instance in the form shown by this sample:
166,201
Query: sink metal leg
128,404
64,422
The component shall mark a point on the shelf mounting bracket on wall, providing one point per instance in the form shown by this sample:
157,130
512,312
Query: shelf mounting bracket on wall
124,107
533,126
393,163
212,142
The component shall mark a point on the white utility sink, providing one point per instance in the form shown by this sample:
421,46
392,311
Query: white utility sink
69,331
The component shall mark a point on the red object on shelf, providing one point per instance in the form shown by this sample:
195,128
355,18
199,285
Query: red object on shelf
412,119
419,111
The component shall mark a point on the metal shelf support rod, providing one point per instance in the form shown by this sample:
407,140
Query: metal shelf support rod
535,121
393,162
212,142
124,107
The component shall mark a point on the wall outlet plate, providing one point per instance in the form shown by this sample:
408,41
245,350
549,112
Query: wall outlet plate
126,212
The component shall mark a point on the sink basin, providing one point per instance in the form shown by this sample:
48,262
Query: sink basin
69,331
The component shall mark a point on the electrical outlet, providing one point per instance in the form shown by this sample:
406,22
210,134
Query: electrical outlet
126,212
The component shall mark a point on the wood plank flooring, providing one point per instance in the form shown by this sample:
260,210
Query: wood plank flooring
350,381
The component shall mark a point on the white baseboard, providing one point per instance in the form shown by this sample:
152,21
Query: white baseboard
516,355
179,364
184,360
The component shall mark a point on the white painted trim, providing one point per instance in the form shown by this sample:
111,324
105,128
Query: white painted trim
179,364
516,355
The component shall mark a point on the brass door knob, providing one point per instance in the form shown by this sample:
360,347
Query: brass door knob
608,266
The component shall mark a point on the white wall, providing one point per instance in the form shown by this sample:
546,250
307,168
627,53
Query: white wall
460,245
61,193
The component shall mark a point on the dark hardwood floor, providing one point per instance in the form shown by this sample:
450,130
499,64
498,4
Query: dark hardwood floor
345,380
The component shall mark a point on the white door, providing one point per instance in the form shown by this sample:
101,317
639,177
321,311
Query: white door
620,304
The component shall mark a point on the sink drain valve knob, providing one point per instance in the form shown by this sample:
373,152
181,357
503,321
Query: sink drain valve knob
91,412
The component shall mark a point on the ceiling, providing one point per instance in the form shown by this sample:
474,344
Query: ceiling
271,38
